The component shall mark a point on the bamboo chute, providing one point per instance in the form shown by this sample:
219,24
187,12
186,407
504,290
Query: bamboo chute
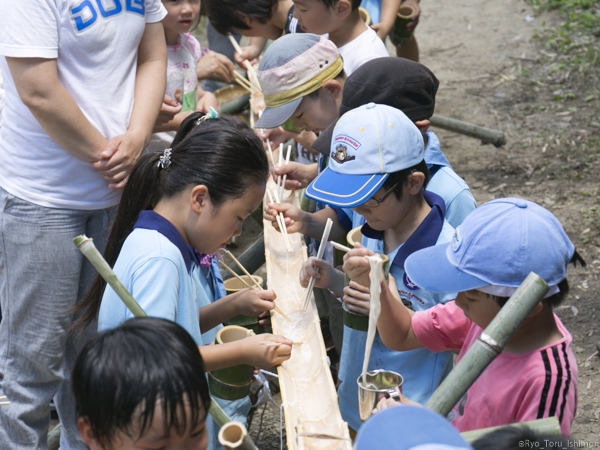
310,404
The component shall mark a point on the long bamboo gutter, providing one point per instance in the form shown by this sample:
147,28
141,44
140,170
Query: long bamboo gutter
310,404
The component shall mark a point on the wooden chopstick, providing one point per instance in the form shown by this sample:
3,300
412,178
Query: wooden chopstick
340,246
241,80
238,50
282,227
225,266
320,253
243,269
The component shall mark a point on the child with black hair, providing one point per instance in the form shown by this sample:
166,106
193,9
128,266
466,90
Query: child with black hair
265,18
178,208
377,169
341,20
183,95
490,255
141,384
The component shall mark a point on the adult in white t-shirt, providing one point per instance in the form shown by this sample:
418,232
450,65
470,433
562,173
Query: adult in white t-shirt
84,83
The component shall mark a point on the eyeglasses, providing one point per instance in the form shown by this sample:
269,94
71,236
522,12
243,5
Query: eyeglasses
375,202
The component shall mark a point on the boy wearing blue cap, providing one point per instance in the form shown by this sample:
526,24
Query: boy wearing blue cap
377,169
490,255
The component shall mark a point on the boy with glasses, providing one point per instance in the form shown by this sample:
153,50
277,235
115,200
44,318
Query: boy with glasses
377,169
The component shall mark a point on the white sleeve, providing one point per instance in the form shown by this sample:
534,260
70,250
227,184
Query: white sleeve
155,11
29,29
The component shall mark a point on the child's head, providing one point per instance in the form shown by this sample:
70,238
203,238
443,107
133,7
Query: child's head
214,176
142,383
248,18
406,427
301,76
182,16
323,16
493,251
397,82
376,165
216,166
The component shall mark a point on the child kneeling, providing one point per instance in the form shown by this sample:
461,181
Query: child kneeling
492,252
142,385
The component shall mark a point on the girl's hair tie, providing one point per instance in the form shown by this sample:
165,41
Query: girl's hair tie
165,160
211,114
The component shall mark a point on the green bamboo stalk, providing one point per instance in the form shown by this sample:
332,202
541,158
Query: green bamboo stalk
486,135
488,345
54,437
221,419
89,250
232,436
548,426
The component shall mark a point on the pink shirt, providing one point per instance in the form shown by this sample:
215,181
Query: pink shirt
514,387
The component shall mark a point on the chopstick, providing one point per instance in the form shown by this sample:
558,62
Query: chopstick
340,246
320,252
282,227
225,266
277,344
244,82
287,160
243,86
246,63
243,269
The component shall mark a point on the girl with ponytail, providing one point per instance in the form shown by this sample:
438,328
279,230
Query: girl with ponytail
189,199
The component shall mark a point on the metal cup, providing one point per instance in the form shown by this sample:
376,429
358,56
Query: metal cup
378,383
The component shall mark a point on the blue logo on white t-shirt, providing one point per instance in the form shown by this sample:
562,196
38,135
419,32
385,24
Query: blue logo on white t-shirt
86,13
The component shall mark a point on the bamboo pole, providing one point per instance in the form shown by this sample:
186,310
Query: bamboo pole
547,427
488,345
486,135
89,250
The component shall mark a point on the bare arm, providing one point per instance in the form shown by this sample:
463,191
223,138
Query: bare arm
122,151
39,88
247,351
250,302
395,321
387,17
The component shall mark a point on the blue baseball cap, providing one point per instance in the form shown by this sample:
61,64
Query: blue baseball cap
369,143
407,427
496,246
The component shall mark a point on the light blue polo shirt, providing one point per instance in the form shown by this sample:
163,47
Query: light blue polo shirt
159,270
164,276
237,410
422,370
446,183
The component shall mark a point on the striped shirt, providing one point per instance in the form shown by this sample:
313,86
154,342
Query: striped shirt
514,387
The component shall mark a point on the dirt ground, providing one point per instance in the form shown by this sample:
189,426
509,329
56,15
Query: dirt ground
494,73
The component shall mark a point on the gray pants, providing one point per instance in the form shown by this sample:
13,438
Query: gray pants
42,275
